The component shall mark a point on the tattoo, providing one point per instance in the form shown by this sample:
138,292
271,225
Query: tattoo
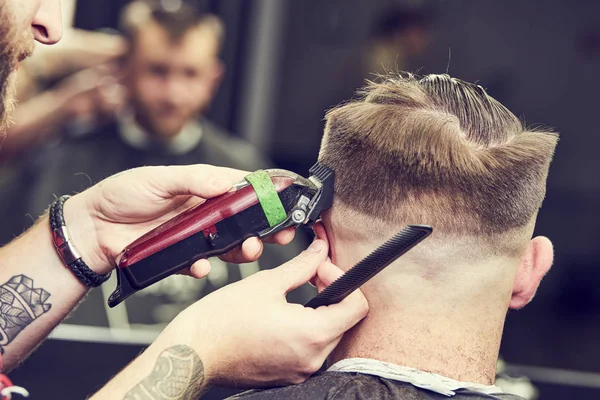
20,305
178,374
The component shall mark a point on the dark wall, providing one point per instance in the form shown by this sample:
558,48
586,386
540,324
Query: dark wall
321,66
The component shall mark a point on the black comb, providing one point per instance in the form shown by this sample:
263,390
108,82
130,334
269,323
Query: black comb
371,265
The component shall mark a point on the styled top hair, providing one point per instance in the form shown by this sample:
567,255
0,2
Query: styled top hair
436,150
176,21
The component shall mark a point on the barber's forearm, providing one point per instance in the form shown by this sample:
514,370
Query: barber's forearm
33,121
168,369
37,292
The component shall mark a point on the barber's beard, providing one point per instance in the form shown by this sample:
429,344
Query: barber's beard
7,96
13,46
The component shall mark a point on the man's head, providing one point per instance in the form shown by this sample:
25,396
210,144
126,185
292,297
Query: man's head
172,68
22,22
440,151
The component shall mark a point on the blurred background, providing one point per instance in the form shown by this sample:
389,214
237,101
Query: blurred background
248,88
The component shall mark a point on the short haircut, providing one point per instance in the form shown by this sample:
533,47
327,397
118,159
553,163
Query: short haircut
436,150
176,22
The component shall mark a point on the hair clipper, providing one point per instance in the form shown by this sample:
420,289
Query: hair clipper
265,202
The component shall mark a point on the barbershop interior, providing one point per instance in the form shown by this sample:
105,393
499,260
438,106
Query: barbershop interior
253,82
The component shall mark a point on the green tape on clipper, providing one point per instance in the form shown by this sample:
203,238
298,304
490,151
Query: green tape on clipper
267,196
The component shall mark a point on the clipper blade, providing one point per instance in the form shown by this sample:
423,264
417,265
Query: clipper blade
375,262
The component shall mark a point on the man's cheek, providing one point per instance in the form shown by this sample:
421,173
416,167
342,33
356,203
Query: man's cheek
148,95
200,99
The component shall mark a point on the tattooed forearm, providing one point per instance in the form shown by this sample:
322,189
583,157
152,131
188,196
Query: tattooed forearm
178,374
20,305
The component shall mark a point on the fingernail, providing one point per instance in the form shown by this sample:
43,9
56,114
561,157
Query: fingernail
258,245
316,246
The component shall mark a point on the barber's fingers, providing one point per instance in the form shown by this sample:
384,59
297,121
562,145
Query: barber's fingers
200,269
327,273
249,251
204,181
338,318
252,248
330,346
300,269
331,322
283,237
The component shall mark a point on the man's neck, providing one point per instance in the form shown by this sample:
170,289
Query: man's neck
451,331
135,135
443,344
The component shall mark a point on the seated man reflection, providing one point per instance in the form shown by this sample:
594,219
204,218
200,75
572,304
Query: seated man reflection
170,75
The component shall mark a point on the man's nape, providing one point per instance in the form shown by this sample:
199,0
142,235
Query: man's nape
440,308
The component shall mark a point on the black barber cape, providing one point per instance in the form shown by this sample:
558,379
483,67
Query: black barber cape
345,385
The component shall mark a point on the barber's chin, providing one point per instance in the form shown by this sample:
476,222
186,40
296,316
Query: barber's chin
8,106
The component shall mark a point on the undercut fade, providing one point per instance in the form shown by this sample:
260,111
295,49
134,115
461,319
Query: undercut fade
436,150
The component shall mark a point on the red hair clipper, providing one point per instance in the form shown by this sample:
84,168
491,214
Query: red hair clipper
265,202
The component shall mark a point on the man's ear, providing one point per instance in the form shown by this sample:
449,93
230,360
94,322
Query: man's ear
216,75
535,263
320,231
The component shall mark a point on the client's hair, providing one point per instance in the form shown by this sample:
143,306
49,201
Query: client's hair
439,151
176,22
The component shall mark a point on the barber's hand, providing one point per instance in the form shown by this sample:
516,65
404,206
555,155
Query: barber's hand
89,94
78,50
115,212
248,335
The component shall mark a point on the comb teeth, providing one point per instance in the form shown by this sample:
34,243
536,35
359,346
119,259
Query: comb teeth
383,256
320,172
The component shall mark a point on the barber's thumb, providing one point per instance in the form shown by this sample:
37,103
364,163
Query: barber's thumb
300,269
327,273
